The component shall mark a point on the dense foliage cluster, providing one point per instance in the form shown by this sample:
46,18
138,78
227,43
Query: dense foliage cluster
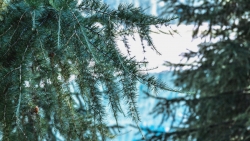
44,43
217,75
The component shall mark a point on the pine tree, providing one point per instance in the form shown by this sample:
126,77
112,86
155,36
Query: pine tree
44,43
217,107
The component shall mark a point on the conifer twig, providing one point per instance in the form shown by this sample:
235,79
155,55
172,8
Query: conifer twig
89,45
59,30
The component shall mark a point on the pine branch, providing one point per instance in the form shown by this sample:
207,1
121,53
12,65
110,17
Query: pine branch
45,44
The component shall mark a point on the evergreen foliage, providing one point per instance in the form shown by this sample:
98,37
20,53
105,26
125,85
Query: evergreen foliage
218,107
43,43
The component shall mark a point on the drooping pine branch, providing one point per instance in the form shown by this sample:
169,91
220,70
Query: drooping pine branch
46,43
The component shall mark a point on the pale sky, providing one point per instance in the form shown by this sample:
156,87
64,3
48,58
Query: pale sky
169,46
